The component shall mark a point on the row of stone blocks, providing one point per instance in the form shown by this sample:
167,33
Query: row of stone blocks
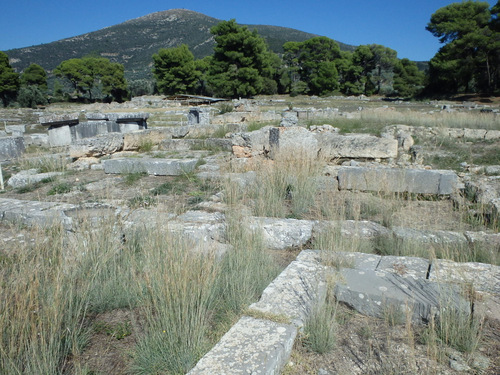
370,284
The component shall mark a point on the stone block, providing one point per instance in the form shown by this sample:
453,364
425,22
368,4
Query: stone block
157,167
416,268
410,235
333,146
59,136
54,120
396,180
134,140
280,234
28,177
251,346
293,293
375,293
11,147
101,145
293,141
199,116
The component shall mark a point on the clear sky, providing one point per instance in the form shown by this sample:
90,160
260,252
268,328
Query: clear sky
398,24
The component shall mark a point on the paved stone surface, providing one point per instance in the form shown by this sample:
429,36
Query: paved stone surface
396,180
251,346
416,268
374,293
294,291
151,166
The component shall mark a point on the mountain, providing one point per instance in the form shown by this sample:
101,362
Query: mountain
132,43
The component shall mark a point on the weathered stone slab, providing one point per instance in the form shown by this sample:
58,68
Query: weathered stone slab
396,180
40,140
333,146
279,234
251,346
374,293
105,144
293,141
58,120
429,236
345,259
11,147
135,140
484,277
34,213
250,144
157,167
352,228
416,268
60,136
30,176
294,291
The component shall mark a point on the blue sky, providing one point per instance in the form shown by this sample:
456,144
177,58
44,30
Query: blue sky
398,24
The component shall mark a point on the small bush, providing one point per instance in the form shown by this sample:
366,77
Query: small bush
61,188
225,107
132,178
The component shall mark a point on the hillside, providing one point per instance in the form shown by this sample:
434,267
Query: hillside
132,43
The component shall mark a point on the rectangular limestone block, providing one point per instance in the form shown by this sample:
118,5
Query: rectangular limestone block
151,166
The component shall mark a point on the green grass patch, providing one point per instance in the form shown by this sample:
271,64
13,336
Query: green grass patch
61,188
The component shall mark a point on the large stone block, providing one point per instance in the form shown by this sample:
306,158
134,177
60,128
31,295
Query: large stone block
293,141
279,234
376,293
157,167
396,180
334,146
104,144
59,136
294,292
251,346
11,147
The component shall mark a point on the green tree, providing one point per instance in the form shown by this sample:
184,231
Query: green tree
9,80
31,96
175,70
384,60
34,75
241,64
408,79
470,57
94,74
314,63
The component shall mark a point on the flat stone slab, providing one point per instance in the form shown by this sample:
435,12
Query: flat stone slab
294,291
151,166
59,120
414,267
352,228
35,213
484,277
375,293
251,346
279,234
429,236
333,145
397,180
30,176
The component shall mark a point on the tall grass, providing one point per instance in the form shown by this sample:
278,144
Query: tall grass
44,301
177,299
286,187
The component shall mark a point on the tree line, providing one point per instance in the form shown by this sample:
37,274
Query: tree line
242,65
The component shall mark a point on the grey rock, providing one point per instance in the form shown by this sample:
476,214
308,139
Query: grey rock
279,234
60,136
251,346
332,146
289,118
416,268
28,177
58,120
40,140
293,141
104,144
410,235
398,180
11,147
251,143
199,116
151,166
